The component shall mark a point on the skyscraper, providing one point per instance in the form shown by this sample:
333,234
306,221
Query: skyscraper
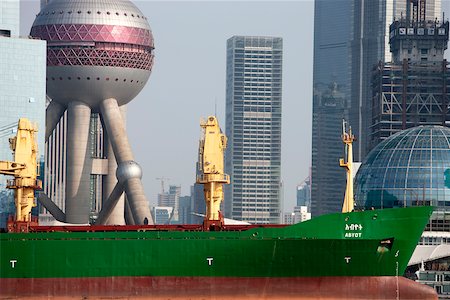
253,128
331,101
413,89
369,46
304,193
171,199
350,38
184,210
22,81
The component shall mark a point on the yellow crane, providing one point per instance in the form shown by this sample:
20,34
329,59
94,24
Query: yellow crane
347,139
211,153
25,170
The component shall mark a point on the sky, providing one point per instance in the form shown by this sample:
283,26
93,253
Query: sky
188,83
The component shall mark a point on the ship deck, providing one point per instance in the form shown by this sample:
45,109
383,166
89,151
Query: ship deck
120,228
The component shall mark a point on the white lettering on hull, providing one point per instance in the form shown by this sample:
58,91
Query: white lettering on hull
210,261
353,234
13,263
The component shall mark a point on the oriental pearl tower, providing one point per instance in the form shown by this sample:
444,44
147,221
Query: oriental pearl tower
99,57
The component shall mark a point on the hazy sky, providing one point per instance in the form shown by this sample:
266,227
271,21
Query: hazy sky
188,82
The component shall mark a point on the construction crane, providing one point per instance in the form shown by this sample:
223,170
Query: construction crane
163,180
25,170
347,163
211,171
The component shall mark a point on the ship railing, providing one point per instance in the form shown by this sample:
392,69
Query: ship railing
220,178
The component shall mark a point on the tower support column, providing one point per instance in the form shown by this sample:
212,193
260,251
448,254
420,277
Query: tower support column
53,114
117,216
128,171
79,163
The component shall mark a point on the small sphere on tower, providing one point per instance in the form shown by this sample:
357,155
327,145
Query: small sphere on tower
95,50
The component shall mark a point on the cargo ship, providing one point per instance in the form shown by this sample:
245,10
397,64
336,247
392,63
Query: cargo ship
349,250
348,255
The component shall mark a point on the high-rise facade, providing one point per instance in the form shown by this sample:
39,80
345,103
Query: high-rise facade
171,199
162,215
184,210
253,128
9,18
304,193
350,38
22,82
413,89
369,46
331,101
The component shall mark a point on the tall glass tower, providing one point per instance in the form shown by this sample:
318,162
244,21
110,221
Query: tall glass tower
370,45
350,38
253,128
331,101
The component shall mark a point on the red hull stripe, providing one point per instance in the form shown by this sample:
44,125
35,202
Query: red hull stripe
216,288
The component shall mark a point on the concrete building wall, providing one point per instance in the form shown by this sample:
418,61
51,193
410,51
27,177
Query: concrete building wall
22,87
22,95
10,17
300,214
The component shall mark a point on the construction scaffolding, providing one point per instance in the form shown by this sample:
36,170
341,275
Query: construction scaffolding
407,95
414,89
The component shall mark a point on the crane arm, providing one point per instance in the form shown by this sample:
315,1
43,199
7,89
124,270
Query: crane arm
24,168
10,168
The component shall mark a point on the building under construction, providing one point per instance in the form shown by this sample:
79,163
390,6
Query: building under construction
414,88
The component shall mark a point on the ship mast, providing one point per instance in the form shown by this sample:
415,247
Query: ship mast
347,139
211,171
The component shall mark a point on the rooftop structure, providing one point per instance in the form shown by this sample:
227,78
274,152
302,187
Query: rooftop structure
430,262
300,214
414,88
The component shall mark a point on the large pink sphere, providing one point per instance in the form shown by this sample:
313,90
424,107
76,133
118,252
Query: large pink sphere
96,49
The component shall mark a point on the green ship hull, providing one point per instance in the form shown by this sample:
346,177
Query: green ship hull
357,244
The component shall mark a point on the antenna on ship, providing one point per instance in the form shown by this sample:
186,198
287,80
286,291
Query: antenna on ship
347,139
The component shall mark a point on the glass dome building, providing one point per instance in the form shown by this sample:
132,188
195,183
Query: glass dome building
409,168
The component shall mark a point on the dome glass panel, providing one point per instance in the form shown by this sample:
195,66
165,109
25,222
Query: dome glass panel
409,168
